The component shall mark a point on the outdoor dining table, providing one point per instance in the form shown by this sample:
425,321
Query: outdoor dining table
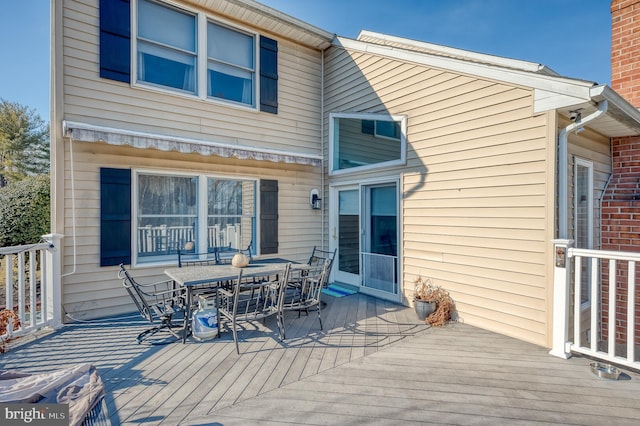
210,276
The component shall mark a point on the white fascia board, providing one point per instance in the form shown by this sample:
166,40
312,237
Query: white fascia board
619,108
561,85
460,53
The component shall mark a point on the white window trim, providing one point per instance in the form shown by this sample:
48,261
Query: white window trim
201,59
202,214
367,116
589,166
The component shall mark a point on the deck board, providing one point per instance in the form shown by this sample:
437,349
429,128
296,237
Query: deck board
373,363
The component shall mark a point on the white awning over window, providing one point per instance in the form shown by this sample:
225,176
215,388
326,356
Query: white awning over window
90,133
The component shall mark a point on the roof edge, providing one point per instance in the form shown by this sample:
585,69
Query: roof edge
461,53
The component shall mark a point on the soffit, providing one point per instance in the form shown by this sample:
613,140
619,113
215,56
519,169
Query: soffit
271,20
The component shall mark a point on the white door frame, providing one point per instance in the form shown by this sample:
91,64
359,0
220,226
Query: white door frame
334,190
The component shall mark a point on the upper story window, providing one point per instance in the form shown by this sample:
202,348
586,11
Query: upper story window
187,52
230,64
366,141
166,46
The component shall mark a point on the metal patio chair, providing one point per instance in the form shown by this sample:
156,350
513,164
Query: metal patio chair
246,302
157,303
227,259
304,290
318,257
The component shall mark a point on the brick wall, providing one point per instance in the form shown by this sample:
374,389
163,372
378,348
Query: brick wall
621,201
621,231
625,52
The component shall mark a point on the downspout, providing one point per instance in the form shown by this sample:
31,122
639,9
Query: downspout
563,155
322,163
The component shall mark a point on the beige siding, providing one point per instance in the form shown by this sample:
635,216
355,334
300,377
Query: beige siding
92,291
90,99
476,214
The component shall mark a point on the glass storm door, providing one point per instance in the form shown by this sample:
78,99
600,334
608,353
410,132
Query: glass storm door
379,256
346,235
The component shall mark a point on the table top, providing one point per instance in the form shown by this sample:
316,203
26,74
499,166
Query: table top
203,274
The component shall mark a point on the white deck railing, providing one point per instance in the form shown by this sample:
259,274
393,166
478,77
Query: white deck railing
603,328
31,286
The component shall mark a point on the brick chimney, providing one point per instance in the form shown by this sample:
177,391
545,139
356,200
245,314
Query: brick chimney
625,51
621,201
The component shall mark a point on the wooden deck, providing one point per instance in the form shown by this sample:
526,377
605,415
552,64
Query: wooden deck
374,363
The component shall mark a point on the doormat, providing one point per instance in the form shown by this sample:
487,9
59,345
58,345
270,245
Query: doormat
337,290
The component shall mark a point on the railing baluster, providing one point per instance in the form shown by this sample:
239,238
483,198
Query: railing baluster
577,301
612,308
595,304
21,287
9,281
631,321
44,313
33,303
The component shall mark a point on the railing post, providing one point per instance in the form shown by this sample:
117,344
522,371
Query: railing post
561,280
53,276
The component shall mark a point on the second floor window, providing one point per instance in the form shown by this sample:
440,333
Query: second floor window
166,46
167,55
230,64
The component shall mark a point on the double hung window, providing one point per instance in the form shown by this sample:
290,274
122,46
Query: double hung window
191,214
166,46
230,64
168,41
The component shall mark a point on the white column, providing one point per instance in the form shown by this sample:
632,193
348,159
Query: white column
53,277
561,280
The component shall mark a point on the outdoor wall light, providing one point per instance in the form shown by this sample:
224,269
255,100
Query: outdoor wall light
314,199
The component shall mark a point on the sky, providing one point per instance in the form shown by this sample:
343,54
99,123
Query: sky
572,37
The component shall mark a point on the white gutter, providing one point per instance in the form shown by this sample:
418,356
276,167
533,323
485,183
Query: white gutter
563,220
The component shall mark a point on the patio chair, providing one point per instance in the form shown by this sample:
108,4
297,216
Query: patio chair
318,257
190,258
247,302
227,259
304,290
157,303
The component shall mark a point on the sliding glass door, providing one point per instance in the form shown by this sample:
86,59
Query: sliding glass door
364,229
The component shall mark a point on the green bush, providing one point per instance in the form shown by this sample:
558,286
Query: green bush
25,211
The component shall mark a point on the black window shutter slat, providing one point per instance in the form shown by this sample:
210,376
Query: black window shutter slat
115,47
268,216
115,216
268,75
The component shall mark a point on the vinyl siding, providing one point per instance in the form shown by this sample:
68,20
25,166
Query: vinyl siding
477,217
90,291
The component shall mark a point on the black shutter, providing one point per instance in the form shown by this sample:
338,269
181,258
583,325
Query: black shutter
268,75
115,216
115,47
268,216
